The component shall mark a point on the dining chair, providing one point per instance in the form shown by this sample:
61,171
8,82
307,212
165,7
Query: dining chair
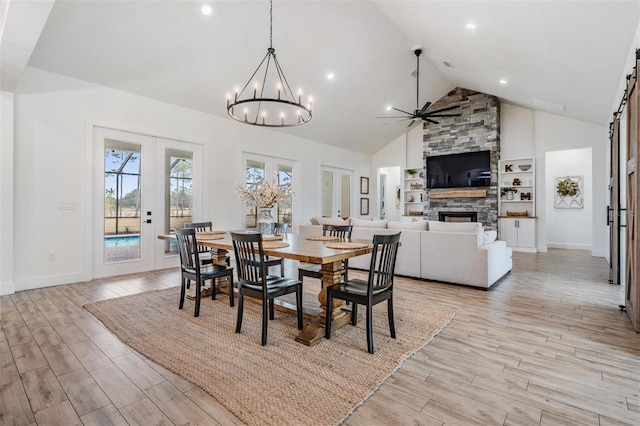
205,252
313,271
193,269
255,281
279,228
377,288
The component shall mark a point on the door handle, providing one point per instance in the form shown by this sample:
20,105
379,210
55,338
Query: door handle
148,220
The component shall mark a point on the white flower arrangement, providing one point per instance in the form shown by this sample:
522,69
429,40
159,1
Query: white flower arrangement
265,194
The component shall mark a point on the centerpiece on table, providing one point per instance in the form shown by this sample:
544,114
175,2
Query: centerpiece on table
265,195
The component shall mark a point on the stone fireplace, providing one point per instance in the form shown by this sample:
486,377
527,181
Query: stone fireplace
477,129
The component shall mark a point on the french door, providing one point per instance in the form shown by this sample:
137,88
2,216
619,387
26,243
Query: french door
258,167
143,186
336,191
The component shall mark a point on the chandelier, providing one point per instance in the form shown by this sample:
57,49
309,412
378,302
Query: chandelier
278,107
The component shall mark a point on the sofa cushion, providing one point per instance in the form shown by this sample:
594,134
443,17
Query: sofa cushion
419,225
435,225
361,223
489,236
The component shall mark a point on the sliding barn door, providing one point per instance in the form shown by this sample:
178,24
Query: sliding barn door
613,210
632,272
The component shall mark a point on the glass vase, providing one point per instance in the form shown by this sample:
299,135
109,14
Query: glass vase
266,221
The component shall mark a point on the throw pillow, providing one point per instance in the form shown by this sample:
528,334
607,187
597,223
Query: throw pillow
419,225
489,236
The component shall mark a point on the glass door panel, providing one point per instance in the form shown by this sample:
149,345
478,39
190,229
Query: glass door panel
255,171
122,221
285,211
178,206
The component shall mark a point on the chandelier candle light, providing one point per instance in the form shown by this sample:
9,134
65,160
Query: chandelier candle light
283,109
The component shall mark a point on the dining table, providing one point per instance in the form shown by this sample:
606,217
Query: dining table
309,250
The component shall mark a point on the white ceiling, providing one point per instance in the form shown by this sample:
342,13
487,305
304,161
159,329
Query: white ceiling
570,53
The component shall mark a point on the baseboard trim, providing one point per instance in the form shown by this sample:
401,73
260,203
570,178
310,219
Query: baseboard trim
569,246
7,288
49,281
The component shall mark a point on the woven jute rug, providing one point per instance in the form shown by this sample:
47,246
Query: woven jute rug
283,383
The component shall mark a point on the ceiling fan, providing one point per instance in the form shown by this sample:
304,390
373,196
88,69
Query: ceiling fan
422,113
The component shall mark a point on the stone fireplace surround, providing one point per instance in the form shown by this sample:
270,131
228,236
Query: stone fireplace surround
477,129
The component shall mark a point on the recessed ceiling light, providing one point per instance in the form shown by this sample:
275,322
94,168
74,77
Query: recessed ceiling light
471,26
503,81
388,108
330,76
206,10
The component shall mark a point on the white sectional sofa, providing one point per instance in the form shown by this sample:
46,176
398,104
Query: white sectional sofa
460,253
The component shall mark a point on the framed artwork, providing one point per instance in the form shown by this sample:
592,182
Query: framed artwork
364,206
569,192
364,185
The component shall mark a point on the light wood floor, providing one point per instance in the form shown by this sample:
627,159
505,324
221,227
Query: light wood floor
545,346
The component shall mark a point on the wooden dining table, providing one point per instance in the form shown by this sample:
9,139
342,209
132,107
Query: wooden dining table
304,250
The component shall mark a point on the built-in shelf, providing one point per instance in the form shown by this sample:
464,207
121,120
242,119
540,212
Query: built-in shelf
412,189
519,232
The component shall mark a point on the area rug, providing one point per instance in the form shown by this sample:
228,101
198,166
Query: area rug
283,383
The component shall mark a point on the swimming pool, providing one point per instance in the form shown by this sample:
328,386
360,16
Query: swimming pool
122,241
126,241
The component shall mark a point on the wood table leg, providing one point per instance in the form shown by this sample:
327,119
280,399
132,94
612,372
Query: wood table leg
313,331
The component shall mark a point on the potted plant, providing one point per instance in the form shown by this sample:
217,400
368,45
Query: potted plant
508,192
411,172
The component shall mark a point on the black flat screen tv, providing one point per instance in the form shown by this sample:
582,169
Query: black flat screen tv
465,170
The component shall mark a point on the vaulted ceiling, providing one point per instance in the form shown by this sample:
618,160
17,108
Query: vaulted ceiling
566,57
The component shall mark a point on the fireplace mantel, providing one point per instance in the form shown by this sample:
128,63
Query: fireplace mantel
458,193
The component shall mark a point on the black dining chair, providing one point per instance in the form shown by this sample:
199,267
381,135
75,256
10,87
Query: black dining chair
206,254
377,288
255,281
313,271
193,269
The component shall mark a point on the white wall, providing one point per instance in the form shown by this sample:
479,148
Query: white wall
553,133
53,114
517,132
525,132
406,151
6,189
569,228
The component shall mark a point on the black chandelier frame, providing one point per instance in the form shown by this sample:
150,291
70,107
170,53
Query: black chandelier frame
261,110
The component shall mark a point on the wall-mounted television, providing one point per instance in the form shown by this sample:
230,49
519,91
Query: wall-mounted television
465,170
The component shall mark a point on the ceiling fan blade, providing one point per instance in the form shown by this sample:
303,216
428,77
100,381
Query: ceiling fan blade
411,124
424,108
399,110
442,115
443,109
395,122
430,120
396,116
